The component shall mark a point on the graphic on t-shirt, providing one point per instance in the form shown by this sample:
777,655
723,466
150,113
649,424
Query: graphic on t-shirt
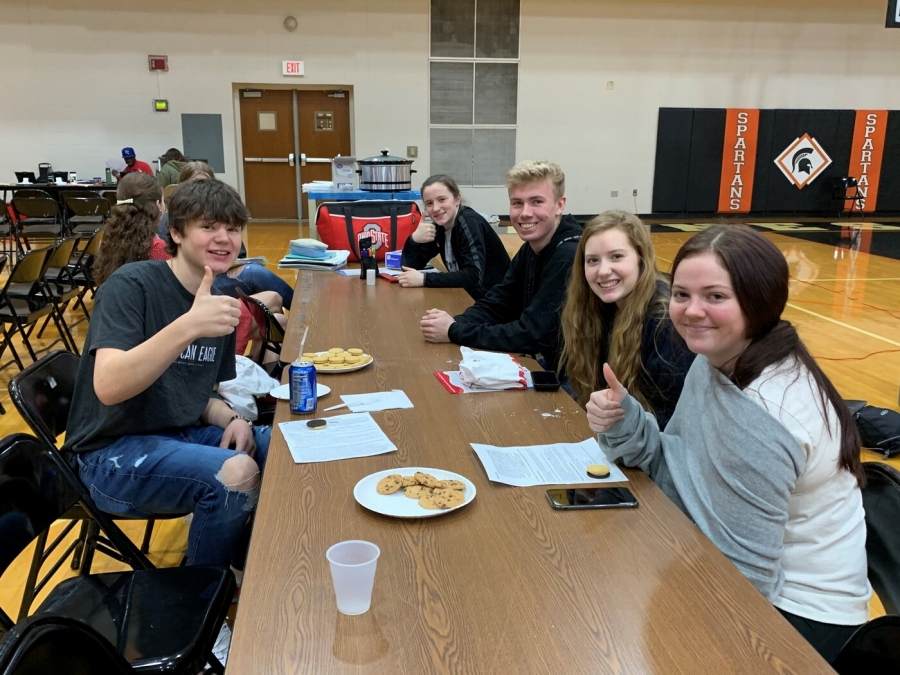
195,355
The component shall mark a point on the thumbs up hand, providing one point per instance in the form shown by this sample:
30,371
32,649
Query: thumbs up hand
604,409
213,315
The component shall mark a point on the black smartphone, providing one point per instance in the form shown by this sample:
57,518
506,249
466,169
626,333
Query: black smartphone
592,498
544,380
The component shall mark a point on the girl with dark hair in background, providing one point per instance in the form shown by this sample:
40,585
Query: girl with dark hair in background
617,312
471,251
761,452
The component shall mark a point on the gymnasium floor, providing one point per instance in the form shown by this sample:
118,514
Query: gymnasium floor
845,299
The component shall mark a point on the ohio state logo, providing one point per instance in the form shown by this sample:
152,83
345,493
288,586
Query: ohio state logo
373,232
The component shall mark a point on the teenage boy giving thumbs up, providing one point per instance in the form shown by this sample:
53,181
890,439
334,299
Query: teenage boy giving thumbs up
149,434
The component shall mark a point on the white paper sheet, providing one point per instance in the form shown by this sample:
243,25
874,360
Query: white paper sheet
380,400
116,163
555,464
345,437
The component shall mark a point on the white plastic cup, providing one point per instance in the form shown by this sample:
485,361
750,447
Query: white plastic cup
353,574
370,277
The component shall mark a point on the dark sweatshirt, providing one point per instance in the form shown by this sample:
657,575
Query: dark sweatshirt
521,313
480,256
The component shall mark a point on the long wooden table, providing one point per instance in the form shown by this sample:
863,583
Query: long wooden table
504,585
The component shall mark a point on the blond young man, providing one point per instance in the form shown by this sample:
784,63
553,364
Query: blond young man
522,313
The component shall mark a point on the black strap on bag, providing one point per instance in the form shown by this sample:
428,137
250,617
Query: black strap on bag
347,211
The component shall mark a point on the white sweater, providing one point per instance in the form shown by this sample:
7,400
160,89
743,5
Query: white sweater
824,555
769,496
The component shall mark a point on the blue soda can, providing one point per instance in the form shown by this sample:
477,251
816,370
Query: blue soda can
302,380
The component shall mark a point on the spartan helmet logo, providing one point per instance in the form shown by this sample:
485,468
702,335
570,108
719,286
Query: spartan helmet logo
800,162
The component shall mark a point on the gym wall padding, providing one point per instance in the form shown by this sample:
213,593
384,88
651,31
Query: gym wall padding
673,158
889,190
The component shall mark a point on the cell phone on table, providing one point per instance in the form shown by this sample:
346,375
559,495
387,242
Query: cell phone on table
544,380
591,498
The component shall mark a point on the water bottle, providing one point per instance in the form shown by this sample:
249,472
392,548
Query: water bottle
108,175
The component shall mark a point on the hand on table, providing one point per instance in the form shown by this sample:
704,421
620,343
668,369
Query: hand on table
410,278
435,326
604,409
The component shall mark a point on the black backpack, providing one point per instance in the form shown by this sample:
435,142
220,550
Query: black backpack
879,428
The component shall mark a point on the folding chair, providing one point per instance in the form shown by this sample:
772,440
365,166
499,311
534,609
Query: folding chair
42,393
881,500
39,218
158,620
81,269
61,288
24,301
873,650
111,197
86,214
271,331
8,232
840,195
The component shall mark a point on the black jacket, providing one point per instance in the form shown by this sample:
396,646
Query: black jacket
521,313
479,253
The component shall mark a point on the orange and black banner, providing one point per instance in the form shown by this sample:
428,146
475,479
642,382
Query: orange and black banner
738,160
866,155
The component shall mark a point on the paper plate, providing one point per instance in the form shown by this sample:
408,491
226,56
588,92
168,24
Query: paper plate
400,506
284,391
327,369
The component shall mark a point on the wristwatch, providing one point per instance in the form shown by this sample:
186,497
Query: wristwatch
238,416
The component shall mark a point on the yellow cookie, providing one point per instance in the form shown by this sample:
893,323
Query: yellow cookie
320,359
389,484
452,485
409,481
336,350
351,360
447,499
355,351
336,359
417,491
310,355
598,471
426,479
428,502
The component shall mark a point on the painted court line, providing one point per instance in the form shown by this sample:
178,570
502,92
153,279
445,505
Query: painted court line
844,325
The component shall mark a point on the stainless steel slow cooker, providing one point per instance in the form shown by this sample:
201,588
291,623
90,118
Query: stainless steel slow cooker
385,173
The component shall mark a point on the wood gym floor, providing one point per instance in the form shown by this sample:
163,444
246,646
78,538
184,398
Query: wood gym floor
845,299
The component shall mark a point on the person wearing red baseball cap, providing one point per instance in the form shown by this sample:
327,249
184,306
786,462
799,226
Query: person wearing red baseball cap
132,164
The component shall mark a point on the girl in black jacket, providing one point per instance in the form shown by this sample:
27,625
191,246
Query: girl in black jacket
471,251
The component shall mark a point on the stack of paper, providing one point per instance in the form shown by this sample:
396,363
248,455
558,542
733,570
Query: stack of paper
332,261
318,186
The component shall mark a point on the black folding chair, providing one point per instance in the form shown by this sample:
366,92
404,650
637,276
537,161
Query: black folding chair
846,189
881,500
86,214
873,650
42,393
58,644
24,301
39,218
9,233
81,269
61,288
158,620
271,331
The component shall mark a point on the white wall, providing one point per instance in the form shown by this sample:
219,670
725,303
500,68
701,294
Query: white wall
77,89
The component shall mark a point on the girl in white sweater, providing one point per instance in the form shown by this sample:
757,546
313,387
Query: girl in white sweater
761,453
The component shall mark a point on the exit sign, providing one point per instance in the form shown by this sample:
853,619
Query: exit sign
294,68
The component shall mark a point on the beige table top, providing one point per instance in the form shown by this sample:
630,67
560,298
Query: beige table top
504,585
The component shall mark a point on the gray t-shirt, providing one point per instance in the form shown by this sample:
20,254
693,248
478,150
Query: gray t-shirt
135,303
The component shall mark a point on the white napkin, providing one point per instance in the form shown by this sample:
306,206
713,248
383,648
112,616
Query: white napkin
251,381
490,370
381,400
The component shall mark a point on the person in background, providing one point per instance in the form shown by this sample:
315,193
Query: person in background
521,313
617,312
148,431
761,452
132,164
130,237
251,278
172,163
472,253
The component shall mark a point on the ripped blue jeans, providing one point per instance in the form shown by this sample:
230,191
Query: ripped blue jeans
176,474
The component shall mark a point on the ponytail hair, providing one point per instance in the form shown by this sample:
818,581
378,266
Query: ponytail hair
759,275
131,225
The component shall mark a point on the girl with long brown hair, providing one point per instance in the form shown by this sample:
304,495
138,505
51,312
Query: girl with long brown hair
761,453
616,312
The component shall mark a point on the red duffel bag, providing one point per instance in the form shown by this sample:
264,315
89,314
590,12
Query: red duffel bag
388,223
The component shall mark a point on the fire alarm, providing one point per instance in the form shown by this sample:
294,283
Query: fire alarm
158,63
